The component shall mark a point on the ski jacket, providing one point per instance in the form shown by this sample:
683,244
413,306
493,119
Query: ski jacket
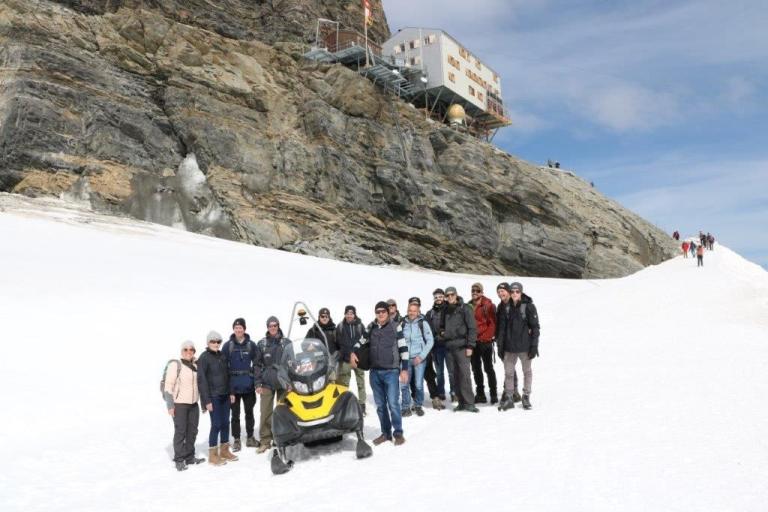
212,375
345,338
485,319
181,389
240,358
330,333
388,350
685,246
460,327
513,332
418,338
269,354
700,250
436,319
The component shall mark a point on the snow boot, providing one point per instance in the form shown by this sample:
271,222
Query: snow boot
237,446
437,404
516,396
458,408
225,454
213,457
494,397
470,408
419,410
251,442
263,447
399,439
527,402
181,466
195,460
381,439
506,403
406,412
480,397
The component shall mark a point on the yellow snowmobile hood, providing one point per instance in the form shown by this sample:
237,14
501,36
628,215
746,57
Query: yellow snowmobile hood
314,407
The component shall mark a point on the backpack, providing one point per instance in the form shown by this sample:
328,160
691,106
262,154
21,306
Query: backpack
421,327
165,371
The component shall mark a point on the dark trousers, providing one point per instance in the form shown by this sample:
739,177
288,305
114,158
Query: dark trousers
430,376
219,421
459,364
249,402
185,420
482,356
699,261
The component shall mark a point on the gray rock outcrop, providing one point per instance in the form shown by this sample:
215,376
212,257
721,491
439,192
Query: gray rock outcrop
210,119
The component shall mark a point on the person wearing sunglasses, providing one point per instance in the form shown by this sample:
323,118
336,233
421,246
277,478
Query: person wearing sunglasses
325,325
240,352
181,396
482,357
269,354
460,339
213,382
517,336
349,332
436,318
389,368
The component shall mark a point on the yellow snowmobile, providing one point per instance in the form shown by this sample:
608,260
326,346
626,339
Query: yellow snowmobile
315,409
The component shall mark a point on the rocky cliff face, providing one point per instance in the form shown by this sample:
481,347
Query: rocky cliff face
209,119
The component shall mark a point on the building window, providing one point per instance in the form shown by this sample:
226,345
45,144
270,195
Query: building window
471,91
396,50
414,44
464,53
451,77
478,64
480,96
415,61
453,61
430,39
402,47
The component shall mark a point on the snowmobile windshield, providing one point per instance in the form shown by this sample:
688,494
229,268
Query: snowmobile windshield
307,364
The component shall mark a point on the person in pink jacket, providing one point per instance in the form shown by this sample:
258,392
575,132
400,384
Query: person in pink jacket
181,397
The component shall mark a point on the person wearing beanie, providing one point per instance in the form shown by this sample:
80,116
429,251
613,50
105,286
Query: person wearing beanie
517,338
460,334
269,353
349,332
181,395
436,319
482,357
394,313
325,330
240,352
389,368
213,383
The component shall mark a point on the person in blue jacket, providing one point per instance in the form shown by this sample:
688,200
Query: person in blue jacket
418,336
240,352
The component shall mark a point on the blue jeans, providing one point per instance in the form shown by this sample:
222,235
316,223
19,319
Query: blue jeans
439,352
386,393
219,421
415,375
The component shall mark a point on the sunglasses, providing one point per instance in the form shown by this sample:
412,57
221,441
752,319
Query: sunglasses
189,350
215,342
381,311
272,325
324,316
450,294
475,291
516,291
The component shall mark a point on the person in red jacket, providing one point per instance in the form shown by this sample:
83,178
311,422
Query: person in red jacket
686,245
485,318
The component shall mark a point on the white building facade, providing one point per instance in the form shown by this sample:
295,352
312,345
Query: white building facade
447,63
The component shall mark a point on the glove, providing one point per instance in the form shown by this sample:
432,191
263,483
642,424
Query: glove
533,352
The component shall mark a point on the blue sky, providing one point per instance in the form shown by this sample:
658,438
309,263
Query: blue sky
662,104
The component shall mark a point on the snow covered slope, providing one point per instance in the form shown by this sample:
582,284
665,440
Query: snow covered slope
649,394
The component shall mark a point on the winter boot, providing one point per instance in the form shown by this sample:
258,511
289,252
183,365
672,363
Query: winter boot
263,447
419,410
516,396
194,460
251,442
225,454
213,457
506,403
406,412
470,408
494,398
459,407
381,439
237,446
181,466
399,439
437,404
480,397
527,402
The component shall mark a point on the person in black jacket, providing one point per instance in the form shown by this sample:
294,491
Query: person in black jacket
240,352
517,336
349,332
460,335
213,384
436,319
327,329
269,354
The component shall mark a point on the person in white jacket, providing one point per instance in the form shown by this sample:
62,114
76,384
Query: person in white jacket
418,336
181,397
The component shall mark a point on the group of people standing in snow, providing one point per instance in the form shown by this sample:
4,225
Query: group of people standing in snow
454,338
705,241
